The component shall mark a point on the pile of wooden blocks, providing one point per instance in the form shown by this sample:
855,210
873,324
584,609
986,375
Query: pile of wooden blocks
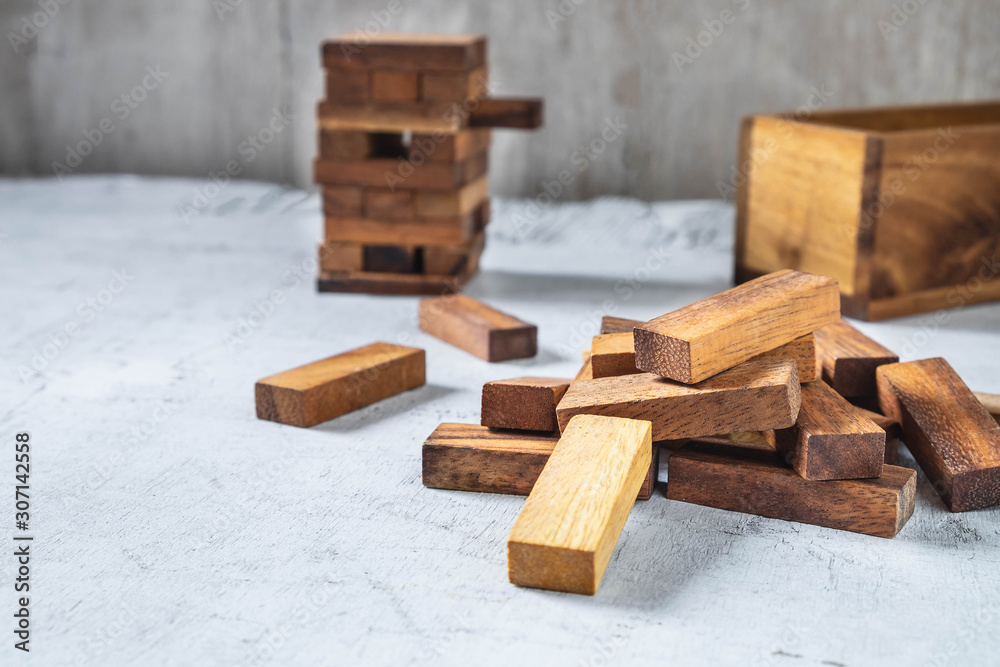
766,401
404,136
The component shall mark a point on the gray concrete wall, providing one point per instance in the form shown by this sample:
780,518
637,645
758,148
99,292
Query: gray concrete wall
231,63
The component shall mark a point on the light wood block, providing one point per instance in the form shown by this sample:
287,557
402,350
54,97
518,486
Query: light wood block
317,392
478,329
991,402
385,204
336,256
563,540
831,439
348,85
395,86
614,354
405,51
948,431
527,403
469,457
712,335
451,203
756,482
454,86
394,174
586,371
849,359
754,396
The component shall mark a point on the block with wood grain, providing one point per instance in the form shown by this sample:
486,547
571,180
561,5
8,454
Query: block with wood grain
893,432
754,396
831,439
561,540
319,391
478,329
758,482
404,137
710,336
849,359
614,354
948,430
470,457
526,403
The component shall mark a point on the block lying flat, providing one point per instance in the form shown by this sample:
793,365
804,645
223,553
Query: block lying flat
991,402
314,393
717,333
948,431
614,354
526,403
477,328
468,457
565,535
405,51
831,439
754,396
849,359
756,482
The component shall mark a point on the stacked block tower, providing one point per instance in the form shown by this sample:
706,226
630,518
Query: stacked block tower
404,136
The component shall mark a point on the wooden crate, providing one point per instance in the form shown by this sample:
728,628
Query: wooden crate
901,205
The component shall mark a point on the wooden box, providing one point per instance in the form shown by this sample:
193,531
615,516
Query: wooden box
901,205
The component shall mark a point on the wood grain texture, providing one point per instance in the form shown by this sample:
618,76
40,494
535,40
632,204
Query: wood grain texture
522,113
754,396
831,439
893,432
405,51
469,457
756,482
478,329
612,325
849,359
565,534
991,402
527,403
614,354
317,392
712,335
393,174
948,431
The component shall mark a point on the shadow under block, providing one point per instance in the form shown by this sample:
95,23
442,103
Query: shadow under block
849,359
900,204
948,431
754,396
527,403
469,457
757,482
478,329
715,334
831,439
317,392
567,530
614,354
405,51
396,173
991,402
391,259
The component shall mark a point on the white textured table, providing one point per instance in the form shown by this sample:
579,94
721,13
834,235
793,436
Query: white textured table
173,527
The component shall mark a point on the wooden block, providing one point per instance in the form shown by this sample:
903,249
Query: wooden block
337,256
522,113
831,439
528,403
395,86
893,432
450,259
612,325
385,204
451,203
948,431
712,335
565,535
991,402
367,282
478,329
342,201
849,359
754,396
417,117
757,482
614,354
405,51
345,145
348,85
394,174
586,371
392,259
469,457
452,232
317,392
454,86
452,147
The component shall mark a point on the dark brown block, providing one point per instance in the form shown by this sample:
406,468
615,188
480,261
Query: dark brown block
523,113
347,85
394,174
405,51
527,403
849,359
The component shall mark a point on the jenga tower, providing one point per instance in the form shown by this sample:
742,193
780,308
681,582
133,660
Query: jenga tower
403,152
